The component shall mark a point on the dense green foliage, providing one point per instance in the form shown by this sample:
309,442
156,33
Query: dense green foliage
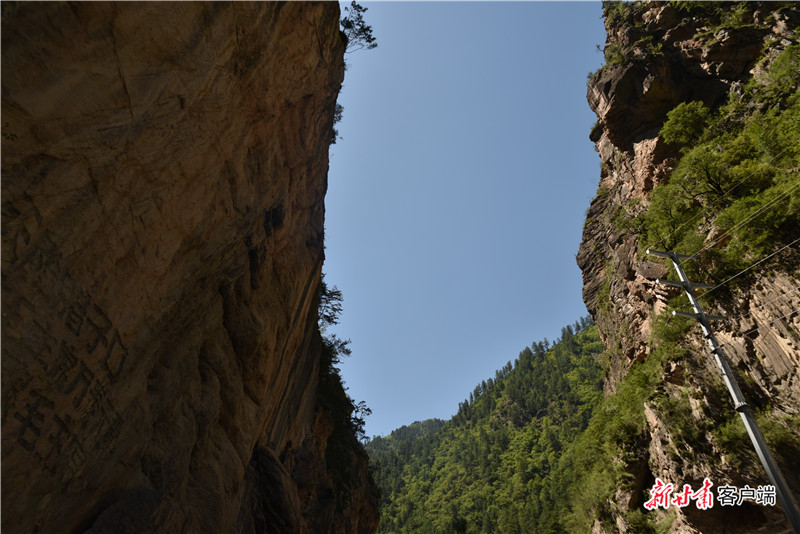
538,448
739,175
503,462
685,123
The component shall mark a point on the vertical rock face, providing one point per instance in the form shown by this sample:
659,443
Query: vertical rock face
631,100
631,97
164,168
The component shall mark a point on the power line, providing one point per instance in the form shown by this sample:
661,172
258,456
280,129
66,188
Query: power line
746,220
742,316
719,199
747,269
762,260
729,343
740,405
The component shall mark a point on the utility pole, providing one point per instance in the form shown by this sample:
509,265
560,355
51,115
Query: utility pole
773,472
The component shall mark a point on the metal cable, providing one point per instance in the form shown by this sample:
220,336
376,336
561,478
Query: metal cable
740,273
728,344
719,199
742,316
747,269
748,219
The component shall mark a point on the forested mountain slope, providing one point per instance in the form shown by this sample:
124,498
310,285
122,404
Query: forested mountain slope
698,133
499,465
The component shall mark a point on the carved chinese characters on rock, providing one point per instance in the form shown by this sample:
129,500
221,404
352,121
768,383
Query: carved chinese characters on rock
60,413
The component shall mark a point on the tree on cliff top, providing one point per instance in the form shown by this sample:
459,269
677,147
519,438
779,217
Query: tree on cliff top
358,33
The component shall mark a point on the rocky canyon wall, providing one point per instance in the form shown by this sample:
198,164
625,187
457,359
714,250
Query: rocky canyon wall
663,56
164,167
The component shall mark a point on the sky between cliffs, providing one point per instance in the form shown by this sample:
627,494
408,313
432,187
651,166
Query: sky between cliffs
457,195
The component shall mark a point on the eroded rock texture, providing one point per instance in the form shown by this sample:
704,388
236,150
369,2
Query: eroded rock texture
163,174
631,99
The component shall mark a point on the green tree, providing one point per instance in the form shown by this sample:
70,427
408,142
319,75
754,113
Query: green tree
499,465
355,29
685,123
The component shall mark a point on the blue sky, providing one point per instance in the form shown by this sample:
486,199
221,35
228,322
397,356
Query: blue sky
457,195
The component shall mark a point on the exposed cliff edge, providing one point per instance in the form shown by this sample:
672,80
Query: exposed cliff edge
164,168
659,55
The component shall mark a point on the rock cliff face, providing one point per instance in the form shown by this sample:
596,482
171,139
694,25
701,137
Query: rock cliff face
658,60
164,168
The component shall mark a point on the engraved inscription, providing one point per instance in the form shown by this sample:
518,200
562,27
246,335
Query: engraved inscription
69,417
76,315
32,420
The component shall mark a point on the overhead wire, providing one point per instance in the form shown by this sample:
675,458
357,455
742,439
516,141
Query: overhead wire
728,232
762,260
746,334
694,256
718,200
746,220
706,293
783,296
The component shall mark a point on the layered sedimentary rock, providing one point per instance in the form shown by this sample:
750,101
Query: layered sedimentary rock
666,64
164,168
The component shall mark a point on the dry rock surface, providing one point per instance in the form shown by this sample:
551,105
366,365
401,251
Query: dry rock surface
164,168
631,99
